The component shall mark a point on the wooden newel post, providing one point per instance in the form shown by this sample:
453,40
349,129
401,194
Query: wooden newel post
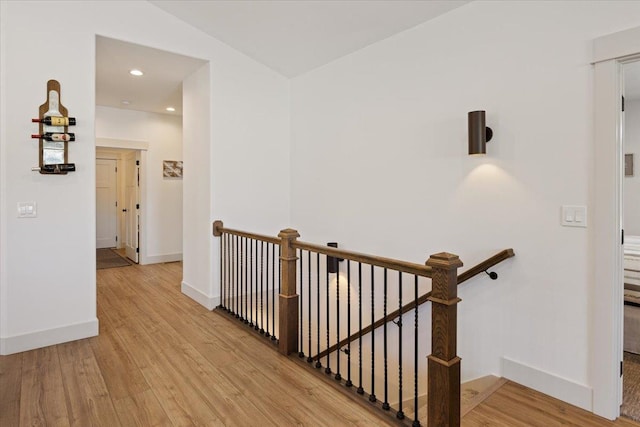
443,363
288,330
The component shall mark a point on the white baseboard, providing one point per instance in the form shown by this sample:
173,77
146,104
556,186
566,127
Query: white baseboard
157,259
566,390
210,302
45,338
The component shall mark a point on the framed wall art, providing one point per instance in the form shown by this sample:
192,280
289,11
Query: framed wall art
172,168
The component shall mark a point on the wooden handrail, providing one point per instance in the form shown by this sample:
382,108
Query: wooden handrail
485,265
462,277
390,263
394,264
218,230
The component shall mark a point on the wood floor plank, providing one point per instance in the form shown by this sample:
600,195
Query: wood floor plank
88,401
182,404
121,374
75,351
141,410
10,387
42,400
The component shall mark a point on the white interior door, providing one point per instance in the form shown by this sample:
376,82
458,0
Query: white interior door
106,209
132,204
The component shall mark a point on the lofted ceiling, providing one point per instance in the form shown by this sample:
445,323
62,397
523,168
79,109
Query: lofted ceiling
291,37
294,37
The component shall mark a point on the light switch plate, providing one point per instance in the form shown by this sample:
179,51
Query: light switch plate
574,216
27,209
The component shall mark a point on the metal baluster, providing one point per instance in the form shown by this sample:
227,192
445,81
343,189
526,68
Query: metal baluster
273,291
309,358
223,282
372,396
250,274
262,287
245,284
360,389
280,268
301,325
267,334
385,405
348,383
234,266
338,376
327,370
222,293
223,271
237,276
255,272
228,273
229,284
318,363
400,414
416,422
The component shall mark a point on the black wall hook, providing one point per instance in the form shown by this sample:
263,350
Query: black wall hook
492,274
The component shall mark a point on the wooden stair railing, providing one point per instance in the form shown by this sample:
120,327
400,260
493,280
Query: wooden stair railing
443,394
463,277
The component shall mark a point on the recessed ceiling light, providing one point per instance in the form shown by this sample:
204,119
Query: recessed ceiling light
170,109
125,102
136,72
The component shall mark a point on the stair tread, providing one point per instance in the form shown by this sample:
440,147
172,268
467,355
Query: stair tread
475,392
472,393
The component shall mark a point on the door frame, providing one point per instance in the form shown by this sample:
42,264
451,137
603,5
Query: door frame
142,147
132,204
609,53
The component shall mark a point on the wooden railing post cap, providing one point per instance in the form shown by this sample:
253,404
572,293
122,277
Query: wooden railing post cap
444,260
217,228
289,234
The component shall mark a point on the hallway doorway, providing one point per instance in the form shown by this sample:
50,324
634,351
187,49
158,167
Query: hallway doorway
118,200
631,248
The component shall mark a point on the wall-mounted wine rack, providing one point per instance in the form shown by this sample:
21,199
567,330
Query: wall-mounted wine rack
54,136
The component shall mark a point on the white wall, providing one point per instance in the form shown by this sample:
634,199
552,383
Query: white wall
632,184
162,210
379,164
47,278
197,199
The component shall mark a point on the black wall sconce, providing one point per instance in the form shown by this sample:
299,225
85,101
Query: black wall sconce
332,262
479,133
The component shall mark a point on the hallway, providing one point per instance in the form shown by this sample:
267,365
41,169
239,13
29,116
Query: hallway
162,359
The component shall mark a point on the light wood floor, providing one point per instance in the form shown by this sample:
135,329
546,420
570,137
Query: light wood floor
163,360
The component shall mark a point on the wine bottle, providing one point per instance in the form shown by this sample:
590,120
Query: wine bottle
56,121
56,137
60,167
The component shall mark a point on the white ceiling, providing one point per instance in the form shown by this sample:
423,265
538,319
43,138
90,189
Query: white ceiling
158,88
293,37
